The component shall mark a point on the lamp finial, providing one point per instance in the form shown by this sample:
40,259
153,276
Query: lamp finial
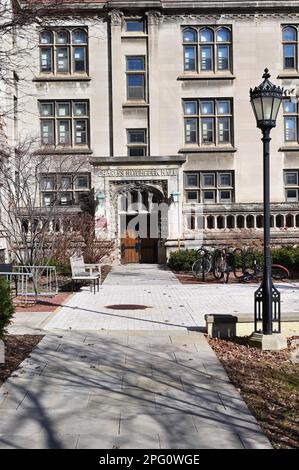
266,73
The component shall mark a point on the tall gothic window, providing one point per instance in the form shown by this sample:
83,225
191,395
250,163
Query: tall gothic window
290,47
64,51
207,49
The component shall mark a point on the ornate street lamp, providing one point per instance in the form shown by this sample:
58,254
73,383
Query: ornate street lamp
266,100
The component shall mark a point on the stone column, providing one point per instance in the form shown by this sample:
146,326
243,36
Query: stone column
154,18
117,77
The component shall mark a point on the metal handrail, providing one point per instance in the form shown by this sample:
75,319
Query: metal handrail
24,281
50,287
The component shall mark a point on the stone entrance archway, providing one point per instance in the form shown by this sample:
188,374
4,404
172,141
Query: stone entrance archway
141,217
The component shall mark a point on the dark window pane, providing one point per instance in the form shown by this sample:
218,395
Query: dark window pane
207,126
135,80
223,107
223,57
290,126
225,179
46,60
136,136
206,35
289,106
292,195
64,134
81,132
79,59
46,37
136,87
62,37
134,25
292,178
62,59
79,37
208,180
47,130
207,107
289,54
190,35
191,180
206,62
136,151
223,35
135,63
192,196
289,34
224,130
190,107
190,58
190,131
81,182
225,196
209,196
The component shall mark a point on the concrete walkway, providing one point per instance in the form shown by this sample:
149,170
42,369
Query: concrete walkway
124,390
109,378
141,275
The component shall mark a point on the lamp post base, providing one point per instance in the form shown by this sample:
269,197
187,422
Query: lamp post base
274,342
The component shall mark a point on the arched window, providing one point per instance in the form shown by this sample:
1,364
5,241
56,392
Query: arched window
46,37
207,49
79,36
206,35
223,35
46,51
190,49
290,47
62,37
189,35
64,51
223,48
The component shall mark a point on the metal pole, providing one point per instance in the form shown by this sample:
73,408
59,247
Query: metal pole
267,278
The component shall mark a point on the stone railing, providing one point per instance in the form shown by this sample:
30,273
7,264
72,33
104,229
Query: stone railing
243,220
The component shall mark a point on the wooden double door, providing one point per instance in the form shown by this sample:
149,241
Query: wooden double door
138,250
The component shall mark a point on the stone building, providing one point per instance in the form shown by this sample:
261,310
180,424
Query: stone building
153,98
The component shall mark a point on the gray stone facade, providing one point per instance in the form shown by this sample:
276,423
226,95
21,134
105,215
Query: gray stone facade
255,42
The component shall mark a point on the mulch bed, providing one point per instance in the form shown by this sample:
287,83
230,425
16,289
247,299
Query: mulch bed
188,278
269,384
17,348
43,304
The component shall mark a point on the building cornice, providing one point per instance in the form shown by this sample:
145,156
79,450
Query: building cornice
167,7
169,159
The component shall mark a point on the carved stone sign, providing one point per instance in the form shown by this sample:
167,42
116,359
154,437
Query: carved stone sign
138,172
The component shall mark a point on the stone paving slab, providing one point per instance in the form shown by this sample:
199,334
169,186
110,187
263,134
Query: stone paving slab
87,395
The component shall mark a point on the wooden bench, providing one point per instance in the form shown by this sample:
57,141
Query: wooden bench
85,272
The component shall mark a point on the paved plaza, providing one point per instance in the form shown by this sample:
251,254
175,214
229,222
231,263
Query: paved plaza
146,378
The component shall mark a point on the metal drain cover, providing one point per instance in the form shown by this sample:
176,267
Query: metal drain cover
127,307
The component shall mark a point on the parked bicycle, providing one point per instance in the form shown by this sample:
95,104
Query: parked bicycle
242,263
279,273
224,264
203,265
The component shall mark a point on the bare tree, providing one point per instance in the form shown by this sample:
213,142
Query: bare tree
32,227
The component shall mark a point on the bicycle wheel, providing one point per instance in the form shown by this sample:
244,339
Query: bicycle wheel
219,264
280,272
202,265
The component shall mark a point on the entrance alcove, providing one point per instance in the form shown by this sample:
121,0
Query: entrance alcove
141,216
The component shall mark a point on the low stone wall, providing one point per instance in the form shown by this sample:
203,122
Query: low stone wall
227,326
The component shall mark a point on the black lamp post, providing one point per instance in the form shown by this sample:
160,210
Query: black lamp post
266,100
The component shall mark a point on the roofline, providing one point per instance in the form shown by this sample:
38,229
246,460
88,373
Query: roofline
166,6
